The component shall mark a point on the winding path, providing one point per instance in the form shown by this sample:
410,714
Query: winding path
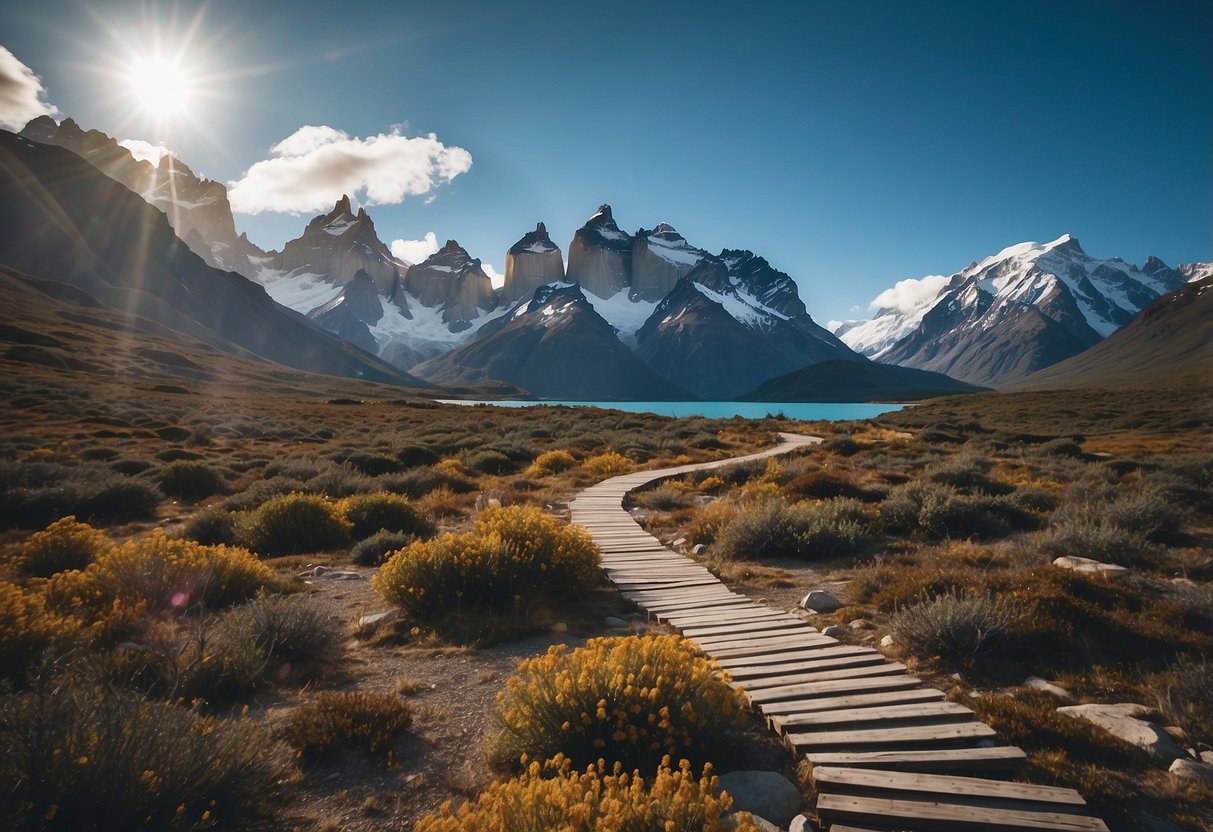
888,753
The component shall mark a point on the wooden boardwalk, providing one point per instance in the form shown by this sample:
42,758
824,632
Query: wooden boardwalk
888,753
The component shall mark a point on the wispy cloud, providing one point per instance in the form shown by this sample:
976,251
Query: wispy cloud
910,294
145,151
316,164
414,251
22,96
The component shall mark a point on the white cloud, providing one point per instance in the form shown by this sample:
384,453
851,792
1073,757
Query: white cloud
145,151
314,165
414,251
498,280
21,93
910,294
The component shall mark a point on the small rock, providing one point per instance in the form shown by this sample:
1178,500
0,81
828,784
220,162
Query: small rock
765,793
1184,769
887,642
860,624
1176,733
319,570
834,631
346,576
1123,721
678,542
703,499
1206,757
1037,683
698,550
559,628
821,601
1183,582
1091,567
617,623
637,511
375,620
801,824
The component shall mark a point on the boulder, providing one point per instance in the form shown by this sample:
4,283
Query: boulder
375,620
761,823
699,550
834,631
801,824
1123,722
1087,566
860,624
887,642
1185,769
822,601
1037,683
765,793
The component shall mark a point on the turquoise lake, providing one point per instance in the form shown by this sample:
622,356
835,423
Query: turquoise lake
826,411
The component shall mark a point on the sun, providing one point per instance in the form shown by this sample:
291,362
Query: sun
161,87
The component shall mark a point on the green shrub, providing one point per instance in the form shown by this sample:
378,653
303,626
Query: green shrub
79,758
773,528
493,462
1092,538
967,473
956,627
292,523
363,720
118,499
373,551
261,491
552,796
374,465
1184,693
414,456
418,482
631,700
219,662
513,560
213,526
292,628
64,544
662,498
940,511
189,480
383,511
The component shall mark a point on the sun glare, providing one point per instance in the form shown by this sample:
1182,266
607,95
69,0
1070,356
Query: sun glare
161,87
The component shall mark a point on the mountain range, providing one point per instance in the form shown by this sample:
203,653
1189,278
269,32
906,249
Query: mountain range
644,315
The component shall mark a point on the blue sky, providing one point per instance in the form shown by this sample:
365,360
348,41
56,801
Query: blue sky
852,145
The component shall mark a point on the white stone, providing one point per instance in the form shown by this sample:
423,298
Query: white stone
346,576
765,793
1091,567
1122,721
559,628
821,601
860,624
1037,683
698,550
1206,757
801,824
887,642
374,620
1185,769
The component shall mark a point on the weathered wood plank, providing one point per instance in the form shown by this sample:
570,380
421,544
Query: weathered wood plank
836,779
762,625
945,734
813,689
868,672
776,670
1007,758
783,710
905,713
948,817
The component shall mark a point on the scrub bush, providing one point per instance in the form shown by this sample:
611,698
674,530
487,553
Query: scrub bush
64,544
293,523
631,700
383,511
359,719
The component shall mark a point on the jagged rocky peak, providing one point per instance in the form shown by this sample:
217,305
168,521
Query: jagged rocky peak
197,208
454,282
353,312
600,256
754,276
338,245
530,263
660,258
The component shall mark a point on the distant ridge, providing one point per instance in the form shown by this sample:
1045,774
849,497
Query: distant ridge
852,381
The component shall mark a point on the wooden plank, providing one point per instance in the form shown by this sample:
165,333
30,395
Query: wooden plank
835,779
813,689
759,642
943,759
947,817
784,710
784,652
871,671
728,599
872,715
761,671
813,652
774,624
946,733
709,618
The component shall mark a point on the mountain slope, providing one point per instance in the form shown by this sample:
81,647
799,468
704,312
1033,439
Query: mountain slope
557,347
197,209
128,258
1016,312
1168,345
852,381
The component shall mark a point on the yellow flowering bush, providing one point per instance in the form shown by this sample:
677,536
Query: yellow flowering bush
27,630
553,796
552,462
631,699
64,544
156,574
513,560
382,510
609,464
368,720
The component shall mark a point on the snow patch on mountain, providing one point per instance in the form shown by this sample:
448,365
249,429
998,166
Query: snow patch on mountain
626,315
